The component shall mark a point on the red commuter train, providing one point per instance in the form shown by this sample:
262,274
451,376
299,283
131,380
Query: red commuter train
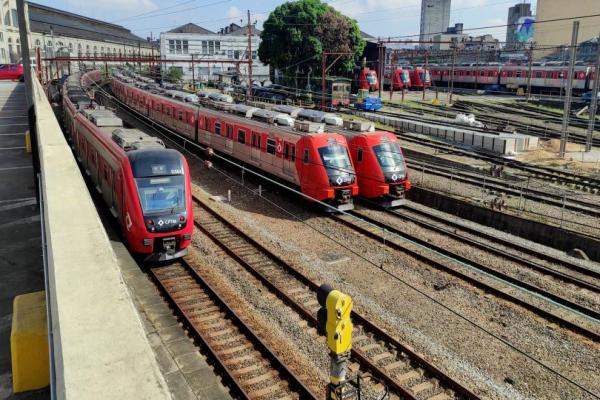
367,79
419,77
146,186
379,164
308,157
400,79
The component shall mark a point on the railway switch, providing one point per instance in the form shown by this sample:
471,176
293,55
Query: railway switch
334,322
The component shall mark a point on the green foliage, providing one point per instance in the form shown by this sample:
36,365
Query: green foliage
174,74
297,33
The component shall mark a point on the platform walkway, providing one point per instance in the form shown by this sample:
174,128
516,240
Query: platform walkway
21,266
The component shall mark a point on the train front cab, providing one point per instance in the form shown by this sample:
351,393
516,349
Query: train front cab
400,79
381,168
325,170
158,216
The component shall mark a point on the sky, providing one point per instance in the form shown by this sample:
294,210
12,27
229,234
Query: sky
379,18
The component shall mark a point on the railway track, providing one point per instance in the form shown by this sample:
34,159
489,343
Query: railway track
504,186
562,269
252,368
548,174
393,363
579,318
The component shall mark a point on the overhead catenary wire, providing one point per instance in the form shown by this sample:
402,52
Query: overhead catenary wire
356,253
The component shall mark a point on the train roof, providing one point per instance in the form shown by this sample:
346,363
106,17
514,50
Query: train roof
155,162
134,139
300,128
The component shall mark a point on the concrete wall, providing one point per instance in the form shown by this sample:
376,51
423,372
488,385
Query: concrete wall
535,231
100,350
559,32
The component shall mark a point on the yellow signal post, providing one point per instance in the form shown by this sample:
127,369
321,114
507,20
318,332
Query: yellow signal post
334,321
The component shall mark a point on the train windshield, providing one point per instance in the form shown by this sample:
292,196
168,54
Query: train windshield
162,193
424,76
336,160
372,77
404,76
389,157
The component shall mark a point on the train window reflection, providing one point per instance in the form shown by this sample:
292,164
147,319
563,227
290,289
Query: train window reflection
164,193
389,156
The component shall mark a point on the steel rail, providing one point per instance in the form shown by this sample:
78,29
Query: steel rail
357,318
505,242
476,282
491,183
535,171
276,363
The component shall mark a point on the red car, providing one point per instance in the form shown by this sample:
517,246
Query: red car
11,71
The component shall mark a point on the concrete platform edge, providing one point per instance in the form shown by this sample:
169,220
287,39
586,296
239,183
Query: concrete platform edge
100,348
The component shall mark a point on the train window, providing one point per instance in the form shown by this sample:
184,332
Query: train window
293,151
105,172
271,145
359,155
218,128
241,136
206,123
538,74
305,160
518,75
229,132
180,116
286,151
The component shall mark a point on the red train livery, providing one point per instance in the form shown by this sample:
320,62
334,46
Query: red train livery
316,161
146,187
419,77
380,165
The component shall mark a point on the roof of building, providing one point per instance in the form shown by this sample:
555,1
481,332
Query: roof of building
236,30
191,28
44,19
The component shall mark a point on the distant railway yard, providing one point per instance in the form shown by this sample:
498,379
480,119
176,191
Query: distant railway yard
483,282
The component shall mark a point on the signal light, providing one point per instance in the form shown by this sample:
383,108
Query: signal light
181,218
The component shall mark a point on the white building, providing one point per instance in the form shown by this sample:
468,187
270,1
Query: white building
218,51
435,17
54,30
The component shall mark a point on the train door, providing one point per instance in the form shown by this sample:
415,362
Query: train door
106,179
207,129
229,138
255,151
289,158
117,196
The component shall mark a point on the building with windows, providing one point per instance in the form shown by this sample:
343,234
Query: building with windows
515,13
219,53
54,31
435,18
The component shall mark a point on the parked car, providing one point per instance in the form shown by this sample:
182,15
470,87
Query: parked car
11,71
587,97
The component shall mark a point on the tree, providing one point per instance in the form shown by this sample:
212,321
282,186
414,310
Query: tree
297,33
174,74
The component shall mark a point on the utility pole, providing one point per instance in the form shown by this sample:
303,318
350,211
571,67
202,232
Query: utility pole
564,137
24,39
381,65
323,73
451,84
193,75
425,71
529,72
594,103
249,94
